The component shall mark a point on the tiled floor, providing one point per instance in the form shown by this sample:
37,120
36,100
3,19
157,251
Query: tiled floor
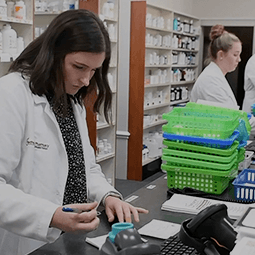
126,187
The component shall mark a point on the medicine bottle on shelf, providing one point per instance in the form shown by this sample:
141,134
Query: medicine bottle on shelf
9,40
10,9
20,10
3,9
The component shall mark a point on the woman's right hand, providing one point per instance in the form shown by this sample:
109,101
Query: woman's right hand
78,223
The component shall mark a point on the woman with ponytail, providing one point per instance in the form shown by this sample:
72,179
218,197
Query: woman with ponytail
224,55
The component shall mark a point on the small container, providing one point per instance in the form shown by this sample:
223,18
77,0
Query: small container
244,185
20,10
9,39
3,9
20,45
10,9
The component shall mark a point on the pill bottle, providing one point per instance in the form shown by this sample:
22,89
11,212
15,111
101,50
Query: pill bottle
10,9
20,45
3,9
9,39
20,10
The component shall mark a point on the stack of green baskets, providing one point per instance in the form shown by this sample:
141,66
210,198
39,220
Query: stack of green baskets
192,165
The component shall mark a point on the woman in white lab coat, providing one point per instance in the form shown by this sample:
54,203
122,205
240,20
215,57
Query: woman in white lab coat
249,85
224,52
46,160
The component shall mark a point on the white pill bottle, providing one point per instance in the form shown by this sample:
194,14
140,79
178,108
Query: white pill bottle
20,10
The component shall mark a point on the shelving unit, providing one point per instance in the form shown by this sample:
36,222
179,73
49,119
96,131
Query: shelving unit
24,28
153,76
35,23
99,129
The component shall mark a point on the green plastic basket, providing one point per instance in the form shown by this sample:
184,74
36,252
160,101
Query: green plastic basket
180,145
201,156
241,155
195,163
241,114
214,182
200,122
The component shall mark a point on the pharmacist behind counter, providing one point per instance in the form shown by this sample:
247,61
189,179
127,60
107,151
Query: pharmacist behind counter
46,160
224,55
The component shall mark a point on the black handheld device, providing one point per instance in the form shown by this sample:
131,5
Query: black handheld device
210,231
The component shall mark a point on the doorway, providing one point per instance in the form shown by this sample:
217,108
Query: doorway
236,78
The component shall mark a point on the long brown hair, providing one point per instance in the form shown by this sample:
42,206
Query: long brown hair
42,60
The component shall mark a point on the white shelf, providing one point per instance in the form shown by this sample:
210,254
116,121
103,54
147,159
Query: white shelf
184,50
105,157
18,21
147,108
185,34
179,102
182,83
156,85
157,66
156,123
159,29
184,66
157,47
47,13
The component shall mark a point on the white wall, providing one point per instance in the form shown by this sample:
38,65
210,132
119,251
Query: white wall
212,9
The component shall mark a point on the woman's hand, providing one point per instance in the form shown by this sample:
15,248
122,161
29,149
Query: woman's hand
123,210
76,222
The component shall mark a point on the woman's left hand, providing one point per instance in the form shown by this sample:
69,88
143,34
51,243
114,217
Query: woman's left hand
123,210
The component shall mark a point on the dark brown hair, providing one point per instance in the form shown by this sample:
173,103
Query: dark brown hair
42,60
220,40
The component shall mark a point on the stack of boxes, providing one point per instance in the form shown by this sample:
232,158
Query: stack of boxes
203,146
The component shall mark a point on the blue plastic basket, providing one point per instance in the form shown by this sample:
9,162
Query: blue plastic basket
244,185
204,141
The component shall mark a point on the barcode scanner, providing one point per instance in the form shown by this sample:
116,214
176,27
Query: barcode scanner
210,231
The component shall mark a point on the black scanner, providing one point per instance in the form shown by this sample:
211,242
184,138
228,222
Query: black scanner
129,242
210,231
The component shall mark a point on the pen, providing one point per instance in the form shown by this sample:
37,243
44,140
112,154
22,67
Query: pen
76,210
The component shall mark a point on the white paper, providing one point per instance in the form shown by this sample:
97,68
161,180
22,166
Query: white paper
97,241
245,246
249,219
193,205
159,229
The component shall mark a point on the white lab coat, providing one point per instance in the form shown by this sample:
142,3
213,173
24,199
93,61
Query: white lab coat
34,167
213,86
249,85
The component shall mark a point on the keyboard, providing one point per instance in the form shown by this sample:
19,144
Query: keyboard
174,246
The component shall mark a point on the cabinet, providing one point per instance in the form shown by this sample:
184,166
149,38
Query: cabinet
24,28
163,64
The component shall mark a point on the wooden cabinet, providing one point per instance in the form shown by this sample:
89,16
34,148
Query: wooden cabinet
153,76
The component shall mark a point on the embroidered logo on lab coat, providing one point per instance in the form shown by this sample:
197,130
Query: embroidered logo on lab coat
37,145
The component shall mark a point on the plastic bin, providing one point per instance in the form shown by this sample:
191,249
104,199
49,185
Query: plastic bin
200,164
204,141
244,185
200,148
200,157
247,160
200,122
214,181
241,114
